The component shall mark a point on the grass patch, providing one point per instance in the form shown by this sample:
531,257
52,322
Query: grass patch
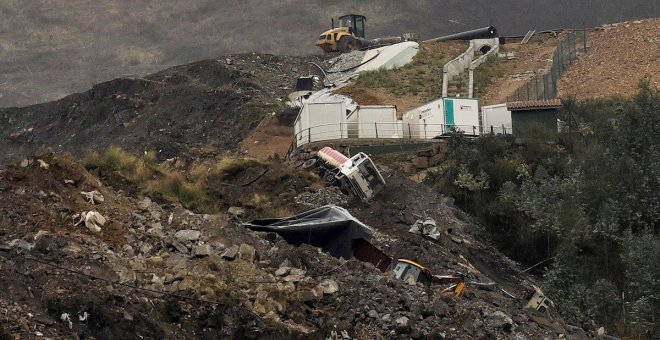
138,170
484,75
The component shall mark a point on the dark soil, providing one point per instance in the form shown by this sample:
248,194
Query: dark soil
211,103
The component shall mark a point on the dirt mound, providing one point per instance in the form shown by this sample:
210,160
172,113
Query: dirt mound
212,103
161,271
619,56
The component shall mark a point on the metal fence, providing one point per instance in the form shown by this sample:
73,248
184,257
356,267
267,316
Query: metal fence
544,86
390,131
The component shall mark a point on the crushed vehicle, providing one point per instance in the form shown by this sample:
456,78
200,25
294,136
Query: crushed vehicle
537,299
357,174
330,228
412,272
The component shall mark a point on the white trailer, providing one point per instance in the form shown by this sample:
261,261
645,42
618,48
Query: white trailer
424,122
377,121
496,119
462,114
321,121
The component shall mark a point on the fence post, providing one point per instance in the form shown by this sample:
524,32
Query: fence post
425,129
561,57
584,39
376,126
309,135
474,131
536,80
527,90
492,131
409,132
341,132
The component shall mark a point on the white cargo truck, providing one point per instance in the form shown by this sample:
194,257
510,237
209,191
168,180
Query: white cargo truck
357,174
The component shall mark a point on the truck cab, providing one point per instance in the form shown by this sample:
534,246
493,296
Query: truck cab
357,174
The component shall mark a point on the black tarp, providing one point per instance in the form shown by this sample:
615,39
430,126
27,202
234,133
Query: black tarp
329,227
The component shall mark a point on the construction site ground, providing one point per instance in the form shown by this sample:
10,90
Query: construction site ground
160,270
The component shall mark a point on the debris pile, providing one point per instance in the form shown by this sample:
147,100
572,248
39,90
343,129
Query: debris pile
162,271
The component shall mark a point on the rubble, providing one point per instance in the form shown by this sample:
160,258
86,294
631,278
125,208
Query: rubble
187,235
93,197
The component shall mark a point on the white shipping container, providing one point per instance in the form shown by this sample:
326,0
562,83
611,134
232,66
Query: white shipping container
321,121
377,121
496,119
462,114
424,122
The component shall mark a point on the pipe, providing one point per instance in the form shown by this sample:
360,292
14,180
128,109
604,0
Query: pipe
479,33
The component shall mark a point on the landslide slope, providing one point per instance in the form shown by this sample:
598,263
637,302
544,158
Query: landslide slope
160,271
208,103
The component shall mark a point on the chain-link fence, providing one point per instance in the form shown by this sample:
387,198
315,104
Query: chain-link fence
544,86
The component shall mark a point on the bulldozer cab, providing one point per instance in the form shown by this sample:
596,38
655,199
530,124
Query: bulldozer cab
355,24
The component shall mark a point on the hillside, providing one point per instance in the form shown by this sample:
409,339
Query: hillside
620,56
208,104
52,48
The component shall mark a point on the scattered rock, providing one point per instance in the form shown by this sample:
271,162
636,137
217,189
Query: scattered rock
373,314
155,260
202,250
187,235
230,253
180,247
328,286
282,271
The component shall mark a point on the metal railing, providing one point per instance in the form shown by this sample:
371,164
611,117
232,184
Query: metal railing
390,130
544,86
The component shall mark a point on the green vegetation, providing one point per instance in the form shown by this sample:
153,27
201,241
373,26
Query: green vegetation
486,73
585,200
422,77
194,189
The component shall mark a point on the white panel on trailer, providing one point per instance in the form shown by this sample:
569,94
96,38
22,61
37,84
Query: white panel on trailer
496,119
377,121
321,121
462,114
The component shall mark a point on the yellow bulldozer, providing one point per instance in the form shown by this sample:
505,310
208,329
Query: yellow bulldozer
348,36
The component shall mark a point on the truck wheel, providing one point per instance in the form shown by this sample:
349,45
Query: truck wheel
347,44
330,178
309,163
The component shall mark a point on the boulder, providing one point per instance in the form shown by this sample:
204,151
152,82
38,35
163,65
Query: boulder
247,253
202,250
187,235
230,253
328,286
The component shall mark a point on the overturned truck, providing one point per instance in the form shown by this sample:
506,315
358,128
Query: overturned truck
357,174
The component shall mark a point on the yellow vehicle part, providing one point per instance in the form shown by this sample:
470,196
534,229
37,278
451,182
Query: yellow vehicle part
455,290
329,40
